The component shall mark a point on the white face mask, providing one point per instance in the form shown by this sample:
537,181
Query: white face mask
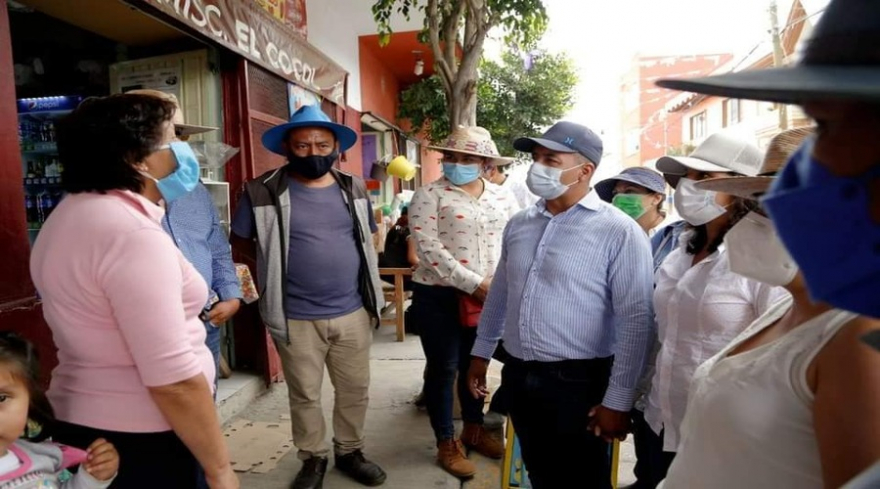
696,206
544,182
754,251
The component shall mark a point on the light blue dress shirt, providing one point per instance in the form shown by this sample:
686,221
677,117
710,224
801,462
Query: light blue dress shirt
577,285
193,224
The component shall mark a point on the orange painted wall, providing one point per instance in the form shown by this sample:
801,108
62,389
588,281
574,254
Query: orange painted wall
431,168
379,86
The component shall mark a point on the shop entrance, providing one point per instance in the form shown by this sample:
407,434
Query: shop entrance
64,52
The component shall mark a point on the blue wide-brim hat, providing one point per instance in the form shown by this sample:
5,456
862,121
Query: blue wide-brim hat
307,116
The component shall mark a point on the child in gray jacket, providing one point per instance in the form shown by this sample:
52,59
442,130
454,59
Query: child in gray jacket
27,459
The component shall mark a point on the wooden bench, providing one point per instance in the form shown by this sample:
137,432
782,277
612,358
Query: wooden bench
397,296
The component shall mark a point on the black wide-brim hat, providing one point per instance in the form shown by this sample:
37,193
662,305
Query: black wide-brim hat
841,61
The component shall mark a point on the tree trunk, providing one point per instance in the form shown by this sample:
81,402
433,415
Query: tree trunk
462,104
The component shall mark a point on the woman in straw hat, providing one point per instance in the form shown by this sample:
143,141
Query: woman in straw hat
700,304
457,223
764,412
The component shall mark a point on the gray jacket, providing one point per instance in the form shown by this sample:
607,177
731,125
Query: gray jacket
46,468
270,200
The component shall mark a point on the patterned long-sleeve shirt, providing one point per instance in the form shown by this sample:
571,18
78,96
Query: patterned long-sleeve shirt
458,237
193,224
574,286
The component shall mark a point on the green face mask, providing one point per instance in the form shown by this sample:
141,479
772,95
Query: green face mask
631,204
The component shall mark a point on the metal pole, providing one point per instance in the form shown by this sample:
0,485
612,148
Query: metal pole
778,56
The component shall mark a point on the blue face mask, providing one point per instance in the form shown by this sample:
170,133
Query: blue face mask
461,174
824,222
184,178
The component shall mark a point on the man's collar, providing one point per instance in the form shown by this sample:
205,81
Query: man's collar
591,201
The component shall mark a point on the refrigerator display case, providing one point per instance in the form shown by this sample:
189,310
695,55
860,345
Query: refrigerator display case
39,155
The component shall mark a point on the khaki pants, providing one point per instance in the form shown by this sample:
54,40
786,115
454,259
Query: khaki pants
343,345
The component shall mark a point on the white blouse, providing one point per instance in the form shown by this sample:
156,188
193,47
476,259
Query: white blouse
458,237
749,420
700,309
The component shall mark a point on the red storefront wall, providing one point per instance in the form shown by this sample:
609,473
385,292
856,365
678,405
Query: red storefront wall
19,309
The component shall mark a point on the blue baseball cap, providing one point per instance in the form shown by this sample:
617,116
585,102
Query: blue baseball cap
565,137
639,175
307,116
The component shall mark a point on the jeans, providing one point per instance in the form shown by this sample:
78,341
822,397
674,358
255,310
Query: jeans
447,345
652,463
549,404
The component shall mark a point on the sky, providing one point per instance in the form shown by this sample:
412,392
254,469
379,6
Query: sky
603,36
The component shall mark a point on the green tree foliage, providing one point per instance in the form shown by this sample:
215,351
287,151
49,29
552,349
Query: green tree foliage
515,100
461,26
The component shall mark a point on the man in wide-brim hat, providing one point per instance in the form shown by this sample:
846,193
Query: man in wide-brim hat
321,291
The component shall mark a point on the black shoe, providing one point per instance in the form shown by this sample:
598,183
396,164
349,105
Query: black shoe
311,475
360,469
420,401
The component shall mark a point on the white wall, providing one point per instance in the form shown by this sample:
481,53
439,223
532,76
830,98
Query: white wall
334,27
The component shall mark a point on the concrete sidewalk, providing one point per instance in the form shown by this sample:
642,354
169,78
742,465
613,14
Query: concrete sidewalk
399,437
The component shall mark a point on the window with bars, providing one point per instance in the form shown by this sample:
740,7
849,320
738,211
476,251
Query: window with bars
698,126
732,112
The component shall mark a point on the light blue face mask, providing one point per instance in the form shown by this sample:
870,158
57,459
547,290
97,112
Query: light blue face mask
184,178
461,174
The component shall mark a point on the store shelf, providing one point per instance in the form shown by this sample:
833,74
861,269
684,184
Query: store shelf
41,149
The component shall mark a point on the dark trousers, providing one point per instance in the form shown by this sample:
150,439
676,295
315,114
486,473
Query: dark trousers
447,346
146,460
498,404
549,404
652,462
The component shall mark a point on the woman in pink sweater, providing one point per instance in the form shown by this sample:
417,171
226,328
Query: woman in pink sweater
123,302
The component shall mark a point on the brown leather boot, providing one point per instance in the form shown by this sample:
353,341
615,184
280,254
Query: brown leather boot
451,456
477,438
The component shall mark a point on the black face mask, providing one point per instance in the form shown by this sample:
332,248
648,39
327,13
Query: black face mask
311,167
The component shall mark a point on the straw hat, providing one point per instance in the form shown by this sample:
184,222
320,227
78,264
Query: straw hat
473,141
181,128
781,147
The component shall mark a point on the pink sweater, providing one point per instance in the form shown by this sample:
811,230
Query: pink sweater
123,305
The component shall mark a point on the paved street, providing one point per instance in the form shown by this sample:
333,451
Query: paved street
398,435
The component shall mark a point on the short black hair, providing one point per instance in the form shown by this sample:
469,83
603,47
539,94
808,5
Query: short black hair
100,141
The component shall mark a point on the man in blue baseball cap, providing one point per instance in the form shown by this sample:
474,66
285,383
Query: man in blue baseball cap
572,292
317,266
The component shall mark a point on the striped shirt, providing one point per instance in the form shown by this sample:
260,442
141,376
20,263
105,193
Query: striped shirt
577,285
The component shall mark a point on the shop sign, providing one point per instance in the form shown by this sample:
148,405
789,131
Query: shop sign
165,79
244,27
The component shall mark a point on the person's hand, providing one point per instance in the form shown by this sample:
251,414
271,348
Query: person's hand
223,311
476,379
483,290
102,460
224,479
609,424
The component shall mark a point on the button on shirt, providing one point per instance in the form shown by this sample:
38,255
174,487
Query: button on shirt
193,224
458,237
700,309
574,286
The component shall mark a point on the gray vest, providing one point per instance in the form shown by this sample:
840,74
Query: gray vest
271,205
